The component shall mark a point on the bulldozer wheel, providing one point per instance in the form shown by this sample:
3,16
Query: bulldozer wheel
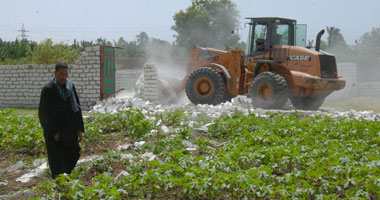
205,86
227,97
307,103
269,91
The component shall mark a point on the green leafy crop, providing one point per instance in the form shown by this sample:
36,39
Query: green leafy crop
280,156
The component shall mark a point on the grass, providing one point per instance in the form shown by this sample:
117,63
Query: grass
21,111
29,111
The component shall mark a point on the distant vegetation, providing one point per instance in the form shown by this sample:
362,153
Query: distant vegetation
365,48
46,52
207,23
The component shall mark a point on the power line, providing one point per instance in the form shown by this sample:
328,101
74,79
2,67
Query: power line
23,32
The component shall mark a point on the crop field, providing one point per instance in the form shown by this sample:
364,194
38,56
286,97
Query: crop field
139,155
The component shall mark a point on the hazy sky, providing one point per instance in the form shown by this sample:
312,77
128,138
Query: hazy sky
65,20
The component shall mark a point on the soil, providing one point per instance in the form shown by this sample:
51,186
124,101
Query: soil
9,158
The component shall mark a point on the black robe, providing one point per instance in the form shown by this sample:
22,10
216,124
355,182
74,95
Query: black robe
57,116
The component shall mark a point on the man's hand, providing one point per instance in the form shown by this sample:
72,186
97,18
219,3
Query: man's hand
56,137
80,136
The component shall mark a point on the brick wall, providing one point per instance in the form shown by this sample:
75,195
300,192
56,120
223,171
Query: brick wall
150,83
20,85
354,86
127,79
368,89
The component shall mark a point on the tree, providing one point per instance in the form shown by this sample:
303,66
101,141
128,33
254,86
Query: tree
158,48
207,23
337,45
335,38
102,42
16,52
369,44
49,53
128,49
82,45
142,42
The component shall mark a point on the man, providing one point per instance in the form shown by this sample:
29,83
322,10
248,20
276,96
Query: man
61,119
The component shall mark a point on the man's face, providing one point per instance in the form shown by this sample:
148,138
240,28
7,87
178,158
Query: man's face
61,75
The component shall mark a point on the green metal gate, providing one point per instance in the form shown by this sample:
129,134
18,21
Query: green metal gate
107,71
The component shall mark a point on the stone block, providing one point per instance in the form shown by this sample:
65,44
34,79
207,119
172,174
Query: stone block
88,49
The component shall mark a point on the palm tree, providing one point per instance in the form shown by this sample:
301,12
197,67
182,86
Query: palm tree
334,37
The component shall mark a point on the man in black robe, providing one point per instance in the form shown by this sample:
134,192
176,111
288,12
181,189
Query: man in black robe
61,119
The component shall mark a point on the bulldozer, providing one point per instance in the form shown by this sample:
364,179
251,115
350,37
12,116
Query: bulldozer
276,66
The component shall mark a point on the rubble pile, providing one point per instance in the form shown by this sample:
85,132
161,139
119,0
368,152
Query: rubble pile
240,103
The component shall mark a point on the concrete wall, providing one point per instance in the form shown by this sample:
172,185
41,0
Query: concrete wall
150,83
368,89
127,79
20,85
355,86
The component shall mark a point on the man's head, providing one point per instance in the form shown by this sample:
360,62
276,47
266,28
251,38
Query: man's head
61,73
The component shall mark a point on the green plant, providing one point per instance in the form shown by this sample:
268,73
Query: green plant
279,156
185,131
20,132
173,118
129,122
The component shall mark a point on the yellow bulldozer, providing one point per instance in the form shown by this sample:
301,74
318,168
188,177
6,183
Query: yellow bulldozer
277,66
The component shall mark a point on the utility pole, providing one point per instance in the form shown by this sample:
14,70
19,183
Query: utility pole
23,32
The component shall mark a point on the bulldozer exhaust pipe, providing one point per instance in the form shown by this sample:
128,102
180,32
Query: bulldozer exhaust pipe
318,40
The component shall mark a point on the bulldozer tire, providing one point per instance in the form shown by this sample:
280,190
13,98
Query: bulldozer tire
269,91
307,103
205,86
228,97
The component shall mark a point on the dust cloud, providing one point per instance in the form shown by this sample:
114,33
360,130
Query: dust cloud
360,67
171,70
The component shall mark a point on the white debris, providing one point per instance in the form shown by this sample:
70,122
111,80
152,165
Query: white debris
39,161
121,174
89,158
15,167
192,149
201,130
159,122
4,183
209,124
42,165
192,123
188,144
32,173
165,129
123,147
127,156
240,103
148,156
139,144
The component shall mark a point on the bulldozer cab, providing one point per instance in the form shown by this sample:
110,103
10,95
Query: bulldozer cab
266,32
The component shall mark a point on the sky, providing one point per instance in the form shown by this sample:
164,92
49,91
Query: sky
66,20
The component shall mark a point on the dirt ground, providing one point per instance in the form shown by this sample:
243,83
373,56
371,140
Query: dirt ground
10,158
